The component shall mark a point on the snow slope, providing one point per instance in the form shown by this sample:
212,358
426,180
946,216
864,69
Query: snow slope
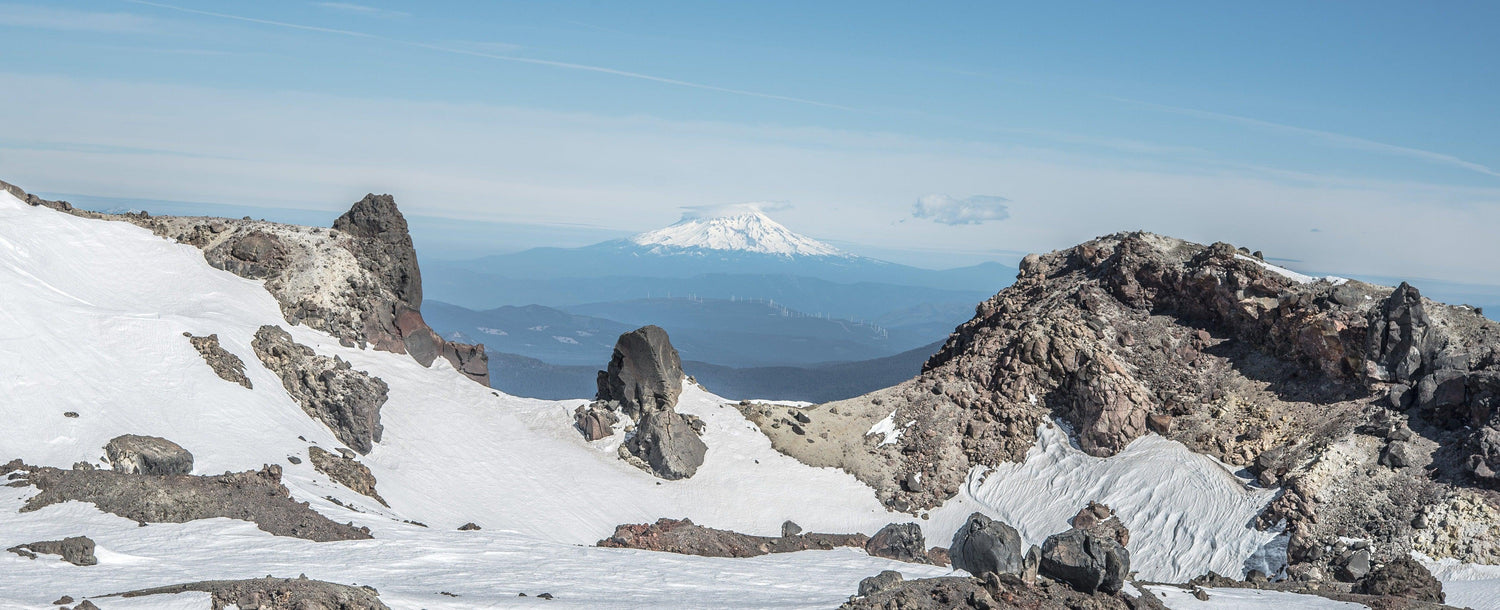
745,229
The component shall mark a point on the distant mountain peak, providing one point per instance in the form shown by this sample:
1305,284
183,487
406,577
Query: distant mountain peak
741,227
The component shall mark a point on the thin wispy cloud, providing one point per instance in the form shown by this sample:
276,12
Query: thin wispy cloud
948,210
47,18
498,56
360,9
1336,139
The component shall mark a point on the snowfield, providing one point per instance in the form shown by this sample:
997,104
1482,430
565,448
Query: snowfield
742,227
92,316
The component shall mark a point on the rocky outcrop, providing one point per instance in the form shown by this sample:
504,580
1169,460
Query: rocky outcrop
255,496
345,471
1088,562
984,545
684,536
225,364
644,373
1099,520
991,592
883,581
899,541
270,593
594,421
358,281
643,381
77,550
132,454
1402,577
328,389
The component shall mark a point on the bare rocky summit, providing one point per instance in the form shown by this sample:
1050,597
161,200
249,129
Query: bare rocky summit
254,496
328,389
1372,407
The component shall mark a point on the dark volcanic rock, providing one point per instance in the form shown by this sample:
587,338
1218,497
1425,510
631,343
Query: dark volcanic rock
77,550
879,582
253,254
985,545
1402,577
275,594
684,536
345,471
1088,562
132,454
644,374
384,247
899,541
226,365
666,442
993,592
345,400
255,496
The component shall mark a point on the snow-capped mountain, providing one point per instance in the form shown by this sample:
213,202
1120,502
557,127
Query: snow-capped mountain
742,228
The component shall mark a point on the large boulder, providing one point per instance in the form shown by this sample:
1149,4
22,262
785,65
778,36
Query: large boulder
644,374
899,541
133,454
1403,577
666,443
985,545
1088,562
77,550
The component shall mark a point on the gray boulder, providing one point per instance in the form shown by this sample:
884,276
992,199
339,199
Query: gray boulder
789,528
1355,566
984,545
77,550
644,374
899,541
879,582
667,444
1403,577
133,454
1088,562
328,389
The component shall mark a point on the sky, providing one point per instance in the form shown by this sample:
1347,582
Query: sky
1337,137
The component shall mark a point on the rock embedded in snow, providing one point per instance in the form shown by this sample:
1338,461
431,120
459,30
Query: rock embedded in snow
345,471
1402,577
667,443
984,545
77,550
899,541
594,421
255,496
224,363
269,593
1088,562
151,455
328,389
684,536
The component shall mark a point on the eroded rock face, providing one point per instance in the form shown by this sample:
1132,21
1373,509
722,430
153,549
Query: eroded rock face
152,455
345,471
684,536
666,442
225,364
77,550
255,496
1088,562
328,389
275,594
984,545
644,374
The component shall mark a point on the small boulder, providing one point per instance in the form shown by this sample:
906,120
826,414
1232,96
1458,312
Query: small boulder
468,527
879,582
984,545
132,454
1404,577
1355,567
899,541
789,528
1088,562
594,421
1397,454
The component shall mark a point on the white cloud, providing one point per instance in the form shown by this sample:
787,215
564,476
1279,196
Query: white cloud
967,211
47,18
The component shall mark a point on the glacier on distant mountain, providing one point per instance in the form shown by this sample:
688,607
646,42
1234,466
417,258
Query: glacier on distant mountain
743,228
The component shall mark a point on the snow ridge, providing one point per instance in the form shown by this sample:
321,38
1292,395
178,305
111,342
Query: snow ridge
743,228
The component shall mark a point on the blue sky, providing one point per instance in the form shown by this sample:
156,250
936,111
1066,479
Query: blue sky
1349,137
